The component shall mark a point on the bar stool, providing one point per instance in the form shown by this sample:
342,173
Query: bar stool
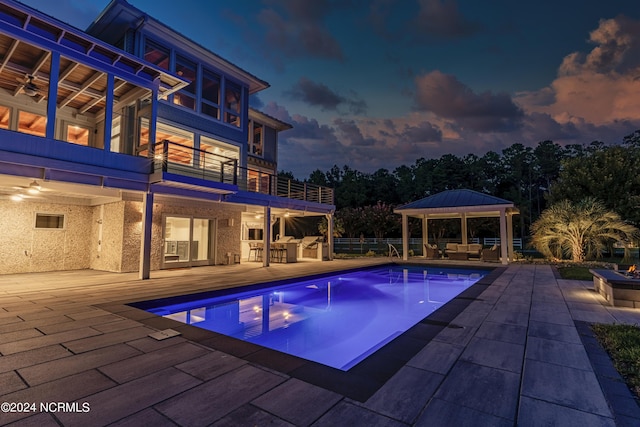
277,252
257,249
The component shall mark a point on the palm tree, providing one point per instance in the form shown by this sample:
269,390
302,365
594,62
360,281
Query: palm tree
578,230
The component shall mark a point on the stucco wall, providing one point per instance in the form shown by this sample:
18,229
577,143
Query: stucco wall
110,218
79,245
23,248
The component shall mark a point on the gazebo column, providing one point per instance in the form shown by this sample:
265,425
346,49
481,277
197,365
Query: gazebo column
510,237
463,228
405,237
330,227
425,234
503,236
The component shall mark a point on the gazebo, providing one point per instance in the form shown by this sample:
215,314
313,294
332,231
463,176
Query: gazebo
462,204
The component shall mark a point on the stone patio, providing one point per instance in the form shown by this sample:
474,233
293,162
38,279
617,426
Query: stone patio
519,354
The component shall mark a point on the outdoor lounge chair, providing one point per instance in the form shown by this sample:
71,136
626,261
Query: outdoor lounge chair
431,252
492,254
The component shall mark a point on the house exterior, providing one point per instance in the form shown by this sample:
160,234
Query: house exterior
129,147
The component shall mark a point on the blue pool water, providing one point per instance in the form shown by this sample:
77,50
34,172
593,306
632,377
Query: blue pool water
338,319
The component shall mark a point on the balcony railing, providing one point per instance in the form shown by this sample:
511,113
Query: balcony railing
181,159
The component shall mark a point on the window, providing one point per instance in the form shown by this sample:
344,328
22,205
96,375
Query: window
157,54
33,124
5,113
116,130
256,135
77,134
232,102
219,148
49,220
186,96
219,156
181,151
255,234
210,105
258,182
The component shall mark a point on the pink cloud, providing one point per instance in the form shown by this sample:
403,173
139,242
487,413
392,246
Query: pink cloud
600,87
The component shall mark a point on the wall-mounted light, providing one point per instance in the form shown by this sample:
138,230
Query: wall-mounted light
34,188
17,197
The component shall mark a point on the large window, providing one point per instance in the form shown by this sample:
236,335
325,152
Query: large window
204,94
31,123
157,54
77,134
256,138
180,152
187,96
232,103
210,105
5,115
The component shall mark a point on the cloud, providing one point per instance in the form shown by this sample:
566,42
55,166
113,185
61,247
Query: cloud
594,97
447,97
351,133
442,19
295,29
599,87
427,21
319,95
424,132
617,49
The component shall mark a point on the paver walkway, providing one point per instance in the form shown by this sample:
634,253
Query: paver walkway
512,357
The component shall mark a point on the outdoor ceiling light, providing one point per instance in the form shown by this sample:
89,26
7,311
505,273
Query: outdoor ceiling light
34,188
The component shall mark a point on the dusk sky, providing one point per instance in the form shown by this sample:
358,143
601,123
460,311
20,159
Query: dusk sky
380,83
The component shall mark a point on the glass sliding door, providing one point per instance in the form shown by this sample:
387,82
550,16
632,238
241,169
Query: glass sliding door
201,240
188,241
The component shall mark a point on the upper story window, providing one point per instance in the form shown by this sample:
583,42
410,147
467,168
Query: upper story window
31,123
232,104
5,114
210,104
77,134
205,94
256,139
188,70
157,54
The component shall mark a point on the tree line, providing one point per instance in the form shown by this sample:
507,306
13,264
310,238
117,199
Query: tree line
533,178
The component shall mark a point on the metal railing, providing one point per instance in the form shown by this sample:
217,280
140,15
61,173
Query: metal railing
181,159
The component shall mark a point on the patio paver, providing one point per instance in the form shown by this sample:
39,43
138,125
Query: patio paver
513,356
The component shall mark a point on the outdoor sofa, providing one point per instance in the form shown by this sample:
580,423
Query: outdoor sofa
460,251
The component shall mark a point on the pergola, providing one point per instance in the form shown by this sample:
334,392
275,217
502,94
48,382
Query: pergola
462,204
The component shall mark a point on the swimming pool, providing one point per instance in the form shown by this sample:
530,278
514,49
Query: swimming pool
337,320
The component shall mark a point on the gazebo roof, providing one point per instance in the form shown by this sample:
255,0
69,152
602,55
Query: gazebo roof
456,198
452,203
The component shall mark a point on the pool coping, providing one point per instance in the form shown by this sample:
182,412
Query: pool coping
359,382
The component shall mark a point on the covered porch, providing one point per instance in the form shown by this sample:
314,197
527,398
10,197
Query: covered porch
460,204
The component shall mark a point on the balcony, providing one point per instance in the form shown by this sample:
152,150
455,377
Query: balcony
171,157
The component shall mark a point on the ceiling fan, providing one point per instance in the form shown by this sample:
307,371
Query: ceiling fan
29,88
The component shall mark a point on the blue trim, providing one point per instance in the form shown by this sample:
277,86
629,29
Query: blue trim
108,113
52,98
72,54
